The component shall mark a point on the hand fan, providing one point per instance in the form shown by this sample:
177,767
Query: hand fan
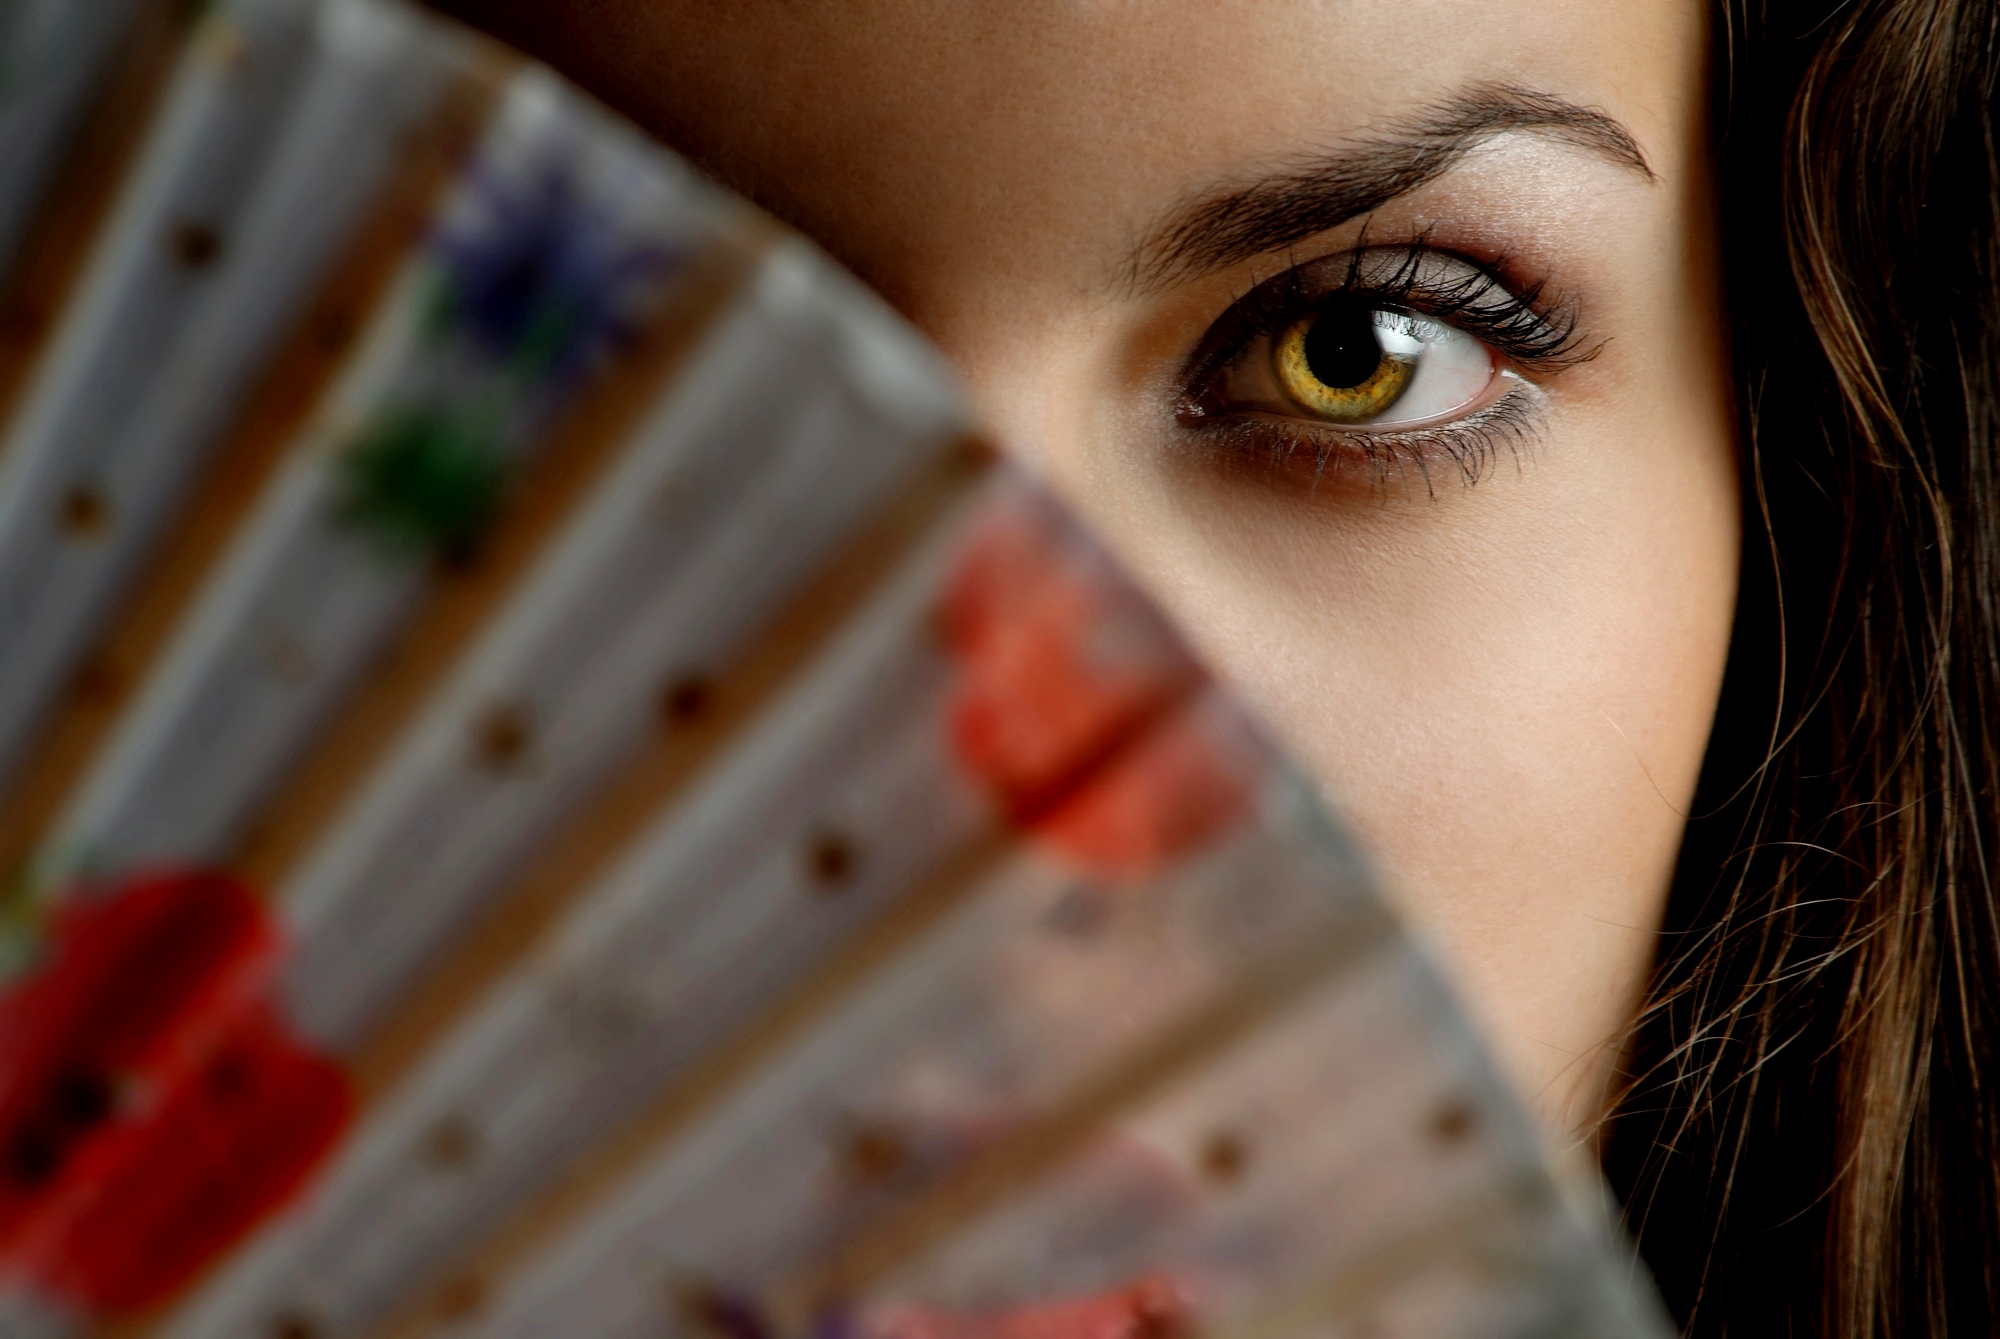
554,784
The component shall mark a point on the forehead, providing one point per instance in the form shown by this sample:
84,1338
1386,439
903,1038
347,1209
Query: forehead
895,117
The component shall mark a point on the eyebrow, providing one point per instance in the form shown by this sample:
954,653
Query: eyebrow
1218,231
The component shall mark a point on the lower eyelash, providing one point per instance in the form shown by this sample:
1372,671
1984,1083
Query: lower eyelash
1468,446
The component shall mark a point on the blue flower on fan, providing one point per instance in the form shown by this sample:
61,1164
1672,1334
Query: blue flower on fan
542,282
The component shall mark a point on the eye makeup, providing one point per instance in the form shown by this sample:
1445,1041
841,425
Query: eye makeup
1381,355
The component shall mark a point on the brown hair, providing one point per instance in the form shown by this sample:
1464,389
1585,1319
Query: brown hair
1811,1144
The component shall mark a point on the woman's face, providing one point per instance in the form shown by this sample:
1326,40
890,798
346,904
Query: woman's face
1380,338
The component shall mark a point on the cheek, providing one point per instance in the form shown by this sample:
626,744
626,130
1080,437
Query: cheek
1500,688
1507,689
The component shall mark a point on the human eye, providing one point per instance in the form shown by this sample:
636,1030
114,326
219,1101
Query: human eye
1384,355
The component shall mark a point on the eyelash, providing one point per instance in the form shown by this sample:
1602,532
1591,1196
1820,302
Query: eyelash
1531,330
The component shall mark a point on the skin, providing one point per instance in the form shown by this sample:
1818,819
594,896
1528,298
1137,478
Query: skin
1505,685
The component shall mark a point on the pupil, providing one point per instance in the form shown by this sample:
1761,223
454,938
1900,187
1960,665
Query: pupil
1341,349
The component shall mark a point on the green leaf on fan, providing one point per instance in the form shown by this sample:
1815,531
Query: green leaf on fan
424,482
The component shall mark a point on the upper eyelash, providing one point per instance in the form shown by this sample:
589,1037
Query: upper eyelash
1531,331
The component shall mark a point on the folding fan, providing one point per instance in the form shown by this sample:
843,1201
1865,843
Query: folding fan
552,783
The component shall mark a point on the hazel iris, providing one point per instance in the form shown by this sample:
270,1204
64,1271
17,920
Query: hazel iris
1332,362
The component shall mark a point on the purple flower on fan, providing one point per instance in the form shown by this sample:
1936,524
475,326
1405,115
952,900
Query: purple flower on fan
539,279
